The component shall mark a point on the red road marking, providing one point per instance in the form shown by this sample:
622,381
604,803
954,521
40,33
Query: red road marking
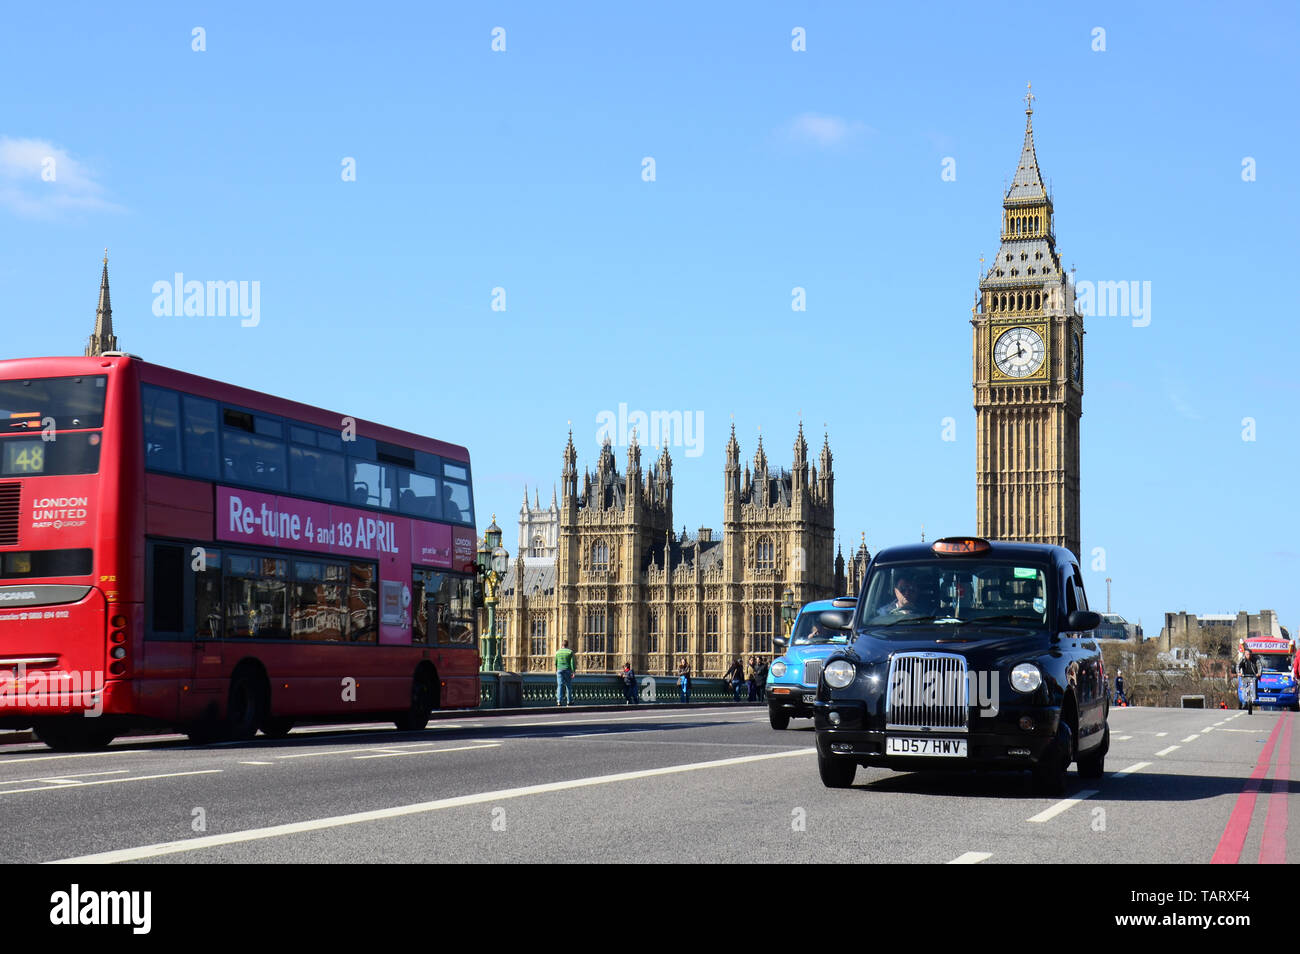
1273,849
1234,835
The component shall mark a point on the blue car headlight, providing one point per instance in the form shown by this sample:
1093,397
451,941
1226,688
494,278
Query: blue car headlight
778,669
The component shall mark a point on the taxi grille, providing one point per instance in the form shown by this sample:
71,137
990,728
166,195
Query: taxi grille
812,671
927,691
9,494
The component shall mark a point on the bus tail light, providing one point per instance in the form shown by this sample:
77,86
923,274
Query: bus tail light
119,622
119,652
118,668
118,636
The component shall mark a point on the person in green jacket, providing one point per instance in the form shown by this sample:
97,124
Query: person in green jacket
566,661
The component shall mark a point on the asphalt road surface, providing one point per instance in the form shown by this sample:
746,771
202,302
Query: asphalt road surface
710,784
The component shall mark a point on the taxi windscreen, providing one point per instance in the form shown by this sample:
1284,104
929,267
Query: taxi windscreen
955,593
808,631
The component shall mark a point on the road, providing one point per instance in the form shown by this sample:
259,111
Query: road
710,784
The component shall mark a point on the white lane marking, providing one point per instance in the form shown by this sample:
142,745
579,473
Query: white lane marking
308,755
1161,734
256,763
1221,721
60,778
1168,750
459,801
75,755
1064,805
1192,738
1135,767
457,748
971,858
1207,729
110,781
1123,738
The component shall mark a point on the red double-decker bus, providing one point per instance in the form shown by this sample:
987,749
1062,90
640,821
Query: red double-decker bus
177,551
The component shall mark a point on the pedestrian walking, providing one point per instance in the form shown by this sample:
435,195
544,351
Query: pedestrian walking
736,676
1248,669
629,684
684,682
753,678
566,663
761,679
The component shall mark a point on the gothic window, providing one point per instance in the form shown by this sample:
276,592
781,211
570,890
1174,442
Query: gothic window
652,632
681,632
537,638
761,638
595,631
539,546
764,559
1037,297
600,557
1008,256
711,631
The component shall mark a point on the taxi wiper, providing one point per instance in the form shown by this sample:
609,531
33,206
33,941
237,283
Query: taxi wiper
1027,621
927,619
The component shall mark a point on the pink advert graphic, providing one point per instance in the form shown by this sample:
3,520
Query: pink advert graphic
258,519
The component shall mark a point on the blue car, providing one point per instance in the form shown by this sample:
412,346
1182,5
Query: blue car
792,678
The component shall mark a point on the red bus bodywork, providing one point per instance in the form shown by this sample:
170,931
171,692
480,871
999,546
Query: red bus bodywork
58,634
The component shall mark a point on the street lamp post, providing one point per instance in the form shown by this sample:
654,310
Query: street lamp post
492,562
789,611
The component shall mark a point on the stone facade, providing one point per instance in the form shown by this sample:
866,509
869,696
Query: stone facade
1028,374
620,585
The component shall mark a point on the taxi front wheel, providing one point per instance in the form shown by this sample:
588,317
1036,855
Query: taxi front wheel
836,772
778,718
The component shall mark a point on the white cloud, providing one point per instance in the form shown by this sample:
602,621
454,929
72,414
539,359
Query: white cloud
822,130
39,180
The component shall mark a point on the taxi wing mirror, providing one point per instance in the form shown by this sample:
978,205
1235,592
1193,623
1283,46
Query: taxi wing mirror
835,619
1083,620
779,642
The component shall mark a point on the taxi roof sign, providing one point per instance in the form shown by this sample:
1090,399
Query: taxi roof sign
956,545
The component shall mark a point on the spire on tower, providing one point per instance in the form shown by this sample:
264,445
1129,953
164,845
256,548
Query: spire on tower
103,338
1028,181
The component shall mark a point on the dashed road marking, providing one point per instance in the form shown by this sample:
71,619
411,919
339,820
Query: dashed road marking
61,778
971,858
110,781
1192,738
1123,738
1064,805
1161,734
256,763
1135,767
1168,750
455,748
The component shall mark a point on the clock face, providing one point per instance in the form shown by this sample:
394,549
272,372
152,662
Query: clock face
1019,352
1076,360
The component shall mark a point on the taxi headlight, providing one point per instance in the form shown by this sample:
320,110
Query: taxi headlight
778,669
1026,678
838,674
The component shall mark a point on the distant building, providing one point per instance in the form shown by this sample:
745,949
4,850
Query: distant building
1114,626
1210,641
603,568
103,338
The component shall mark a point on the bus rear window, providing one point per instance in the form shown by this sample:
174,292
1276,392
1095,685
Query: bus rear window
35,564
72,403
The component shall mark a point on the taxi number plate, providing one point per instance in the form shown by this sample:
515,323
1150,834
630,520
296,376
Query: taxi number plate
950,748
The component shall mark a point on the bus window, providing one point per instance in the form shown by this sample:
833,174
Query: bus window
315,473
317,601
162,429
419,496
256,597
362,602
455,501
256,461
201,452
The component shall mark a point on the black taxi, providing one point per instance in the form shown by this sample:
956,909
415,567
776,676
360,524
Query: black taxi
966,654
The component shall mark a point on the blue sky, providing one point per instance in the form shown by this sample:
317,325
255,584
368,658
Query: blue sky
820,169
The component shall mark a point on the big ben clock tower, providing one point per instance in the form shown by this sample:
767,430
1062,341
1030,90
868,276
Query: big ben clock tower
1028,373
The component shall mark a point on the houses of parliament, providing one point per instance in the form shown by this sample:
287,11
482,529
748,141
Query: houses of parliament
602,567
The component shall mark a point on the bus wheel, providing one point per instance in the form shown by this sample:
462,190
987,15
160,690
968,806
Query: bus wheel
245,708
74,738
274,728
423,700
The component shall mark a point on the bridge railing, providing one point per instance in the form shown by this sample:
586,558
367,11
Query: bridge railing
499,690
